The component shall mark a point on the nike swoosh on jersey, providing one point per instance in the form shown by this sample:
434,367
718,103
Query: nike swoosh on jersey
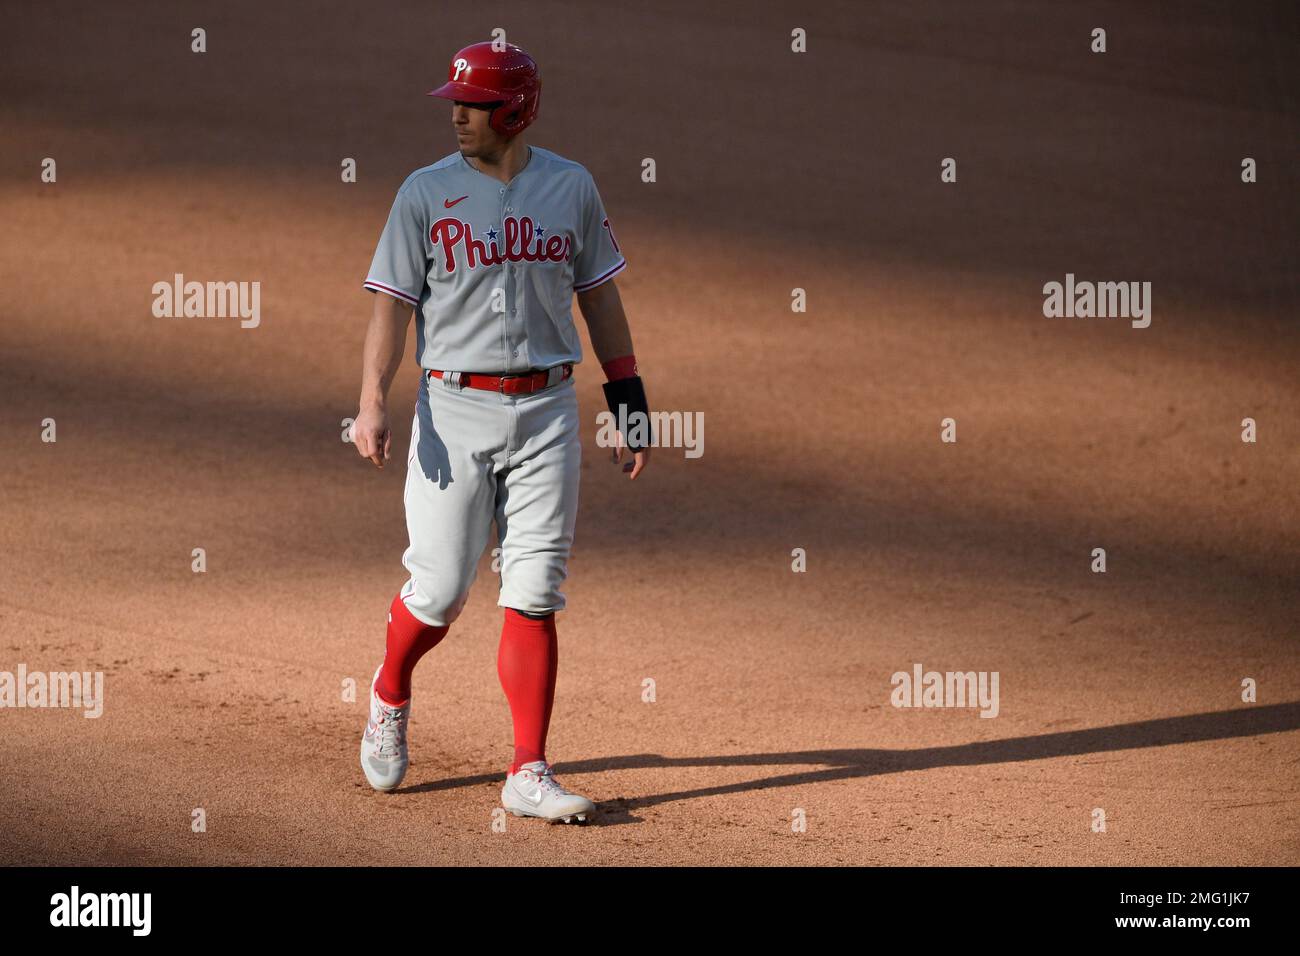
448,203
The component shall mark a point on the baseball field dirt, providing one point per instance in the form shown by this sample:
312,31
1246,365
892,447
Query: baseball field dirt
719,705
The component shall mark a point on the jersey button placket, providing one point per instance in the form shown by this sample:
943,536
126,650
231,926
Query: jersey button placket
511,332
505,274
512,413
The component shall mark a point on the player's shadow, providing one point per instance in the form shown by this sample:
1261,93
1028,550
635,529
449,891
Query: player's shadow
430,449
1248,721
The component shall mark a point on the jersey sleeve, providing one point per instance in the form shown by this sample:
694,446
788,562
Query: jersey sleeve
599,258
401,267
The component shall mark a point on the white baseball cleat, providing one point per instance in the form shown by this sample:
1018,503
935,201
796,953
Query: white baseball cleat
534,792
383,748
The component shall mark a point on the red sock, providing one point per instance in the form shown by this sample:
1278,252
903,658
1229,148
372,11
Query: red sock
526,664
409,639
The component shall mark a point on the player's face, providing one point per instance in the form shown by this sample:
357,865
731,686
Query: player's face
473,134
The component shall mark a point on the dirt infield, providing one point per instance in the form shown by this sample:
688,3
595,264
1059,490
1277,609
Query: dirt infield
1119,692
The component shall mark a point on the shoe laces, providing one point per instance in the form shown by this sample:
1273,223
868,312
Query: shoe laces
545,779
390,729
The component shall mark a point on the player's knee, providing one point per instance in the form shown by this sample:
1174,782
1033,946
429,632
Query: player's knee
532,596
436,605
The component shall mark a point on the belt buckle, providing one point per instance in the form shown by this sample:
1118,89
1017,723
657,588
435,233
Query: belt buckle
530,375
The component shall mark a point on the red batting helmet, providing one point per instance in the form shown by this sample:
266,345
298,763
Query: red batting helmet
482,74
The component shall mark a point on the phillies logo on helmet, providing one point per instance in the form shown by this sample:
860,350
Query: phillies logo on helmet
461,66
524,241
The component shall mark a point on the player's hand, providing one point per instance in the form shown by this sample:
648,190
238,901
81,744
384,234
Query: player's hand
639,458
371,434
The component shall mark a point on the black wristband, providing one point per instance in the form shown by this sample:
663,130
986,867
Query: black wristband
626,397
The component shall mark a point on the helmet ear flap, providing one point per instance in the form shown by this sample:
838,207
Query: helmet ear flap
506,118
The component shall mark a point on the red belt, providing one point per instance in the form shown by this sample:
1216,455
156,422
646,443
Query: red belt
514,384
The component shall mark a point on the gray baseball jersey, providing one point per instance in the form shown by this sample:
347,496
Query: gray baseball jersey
492,267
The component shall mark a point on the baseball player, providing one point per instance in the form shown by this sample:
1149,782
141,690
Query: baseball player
487,248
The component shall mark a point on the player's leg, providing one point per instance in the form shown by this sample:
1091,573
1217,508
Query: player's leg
537,503
408,639
450,498
527,664
450,501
